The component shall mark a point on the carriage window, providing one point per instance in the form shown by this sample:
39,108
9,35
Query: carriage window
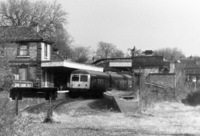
84,78
75,78
100,81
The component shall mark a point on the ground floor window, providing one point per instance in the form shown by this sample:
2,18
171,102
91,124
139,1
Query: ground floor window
47,78
23,74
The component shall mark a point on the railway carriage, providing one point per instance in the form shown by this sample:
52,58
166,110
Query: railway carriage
88,82
127,82
85,82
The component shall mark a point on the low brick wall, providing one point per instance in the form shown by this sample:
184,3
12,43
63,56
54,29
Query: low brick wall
166,80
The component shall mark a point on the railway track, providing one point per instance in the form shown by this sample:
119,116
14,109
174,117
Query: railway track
44,107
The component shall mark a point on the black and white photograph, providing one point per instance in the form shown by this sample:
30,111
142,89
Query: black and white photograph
99,67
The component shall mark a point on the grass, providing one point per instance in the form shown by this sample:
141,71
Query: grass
10,124
164,118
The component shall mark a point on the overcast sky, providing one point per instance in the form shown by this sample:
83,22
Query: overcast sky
146,24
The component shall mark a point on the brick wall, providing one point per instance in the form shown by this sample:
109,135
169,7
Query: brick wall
164,79
38,68
33,62
33,51
11,51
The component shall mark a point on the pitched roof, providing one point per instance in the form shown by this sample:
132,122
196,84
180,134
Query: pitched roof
19,34
192,71
56,57
189,63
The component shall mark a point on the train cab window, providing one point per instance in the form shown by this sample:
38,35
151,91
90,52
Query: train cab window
75,78
84,78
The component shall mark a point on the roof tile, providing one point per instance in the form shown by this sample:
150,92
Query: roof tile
19,34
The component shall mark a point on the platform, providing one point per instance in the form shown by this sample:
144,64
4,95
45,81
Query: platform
31,92
124,103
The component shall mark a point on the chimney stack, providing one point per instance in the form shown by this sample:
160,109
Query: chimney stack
34,26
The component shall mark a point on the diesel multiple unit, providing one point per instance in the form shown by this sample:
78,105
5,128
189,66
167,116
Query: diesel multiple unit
95,83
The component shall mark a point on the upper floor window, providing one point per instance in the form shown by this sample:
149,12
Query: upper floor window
46,50
23,50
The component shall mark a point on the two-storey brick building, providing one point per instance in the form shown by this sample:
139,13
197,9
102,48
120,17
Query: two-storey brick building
32,60
25,50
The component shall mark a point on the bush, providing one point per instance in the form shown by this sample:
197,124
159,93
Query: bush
192,99
7,114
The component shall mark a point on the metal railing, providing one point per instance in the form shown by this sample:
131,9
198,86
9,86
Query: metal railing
23,84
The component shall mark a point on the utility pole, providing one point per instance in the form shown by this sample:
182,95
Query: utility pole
133,74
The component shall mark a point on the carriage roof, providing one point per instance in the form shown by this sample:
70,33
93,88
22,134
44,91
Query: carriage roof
127,76
115,75
92,73
102,74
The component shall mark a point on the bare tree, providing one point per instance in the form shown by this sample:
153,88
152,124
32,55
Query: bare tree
134,52
170,54
49,17
117,54
107,50
104,50
81,54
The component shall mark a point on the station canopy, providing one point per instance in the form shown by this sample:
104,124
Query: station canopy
70,65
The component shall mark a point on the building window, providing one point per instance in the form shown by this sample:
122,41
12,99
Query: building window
45,50
23,50
23,74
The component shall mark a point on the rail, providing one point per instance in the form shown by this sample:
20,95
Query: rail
43,107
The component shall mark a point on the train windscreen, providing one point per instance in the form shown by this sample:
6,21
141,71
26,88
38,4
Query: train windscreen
84,78
75,78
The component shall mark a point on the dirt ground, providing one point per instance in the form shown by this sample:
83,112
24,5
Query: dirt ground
91,117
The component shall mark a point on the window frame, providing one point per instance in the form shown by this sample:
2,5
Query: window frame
20,50
76,77
46,50
26,74
84,78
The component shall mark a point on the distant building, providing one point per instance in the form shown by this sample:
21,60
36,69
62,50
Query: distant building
190,68
141,64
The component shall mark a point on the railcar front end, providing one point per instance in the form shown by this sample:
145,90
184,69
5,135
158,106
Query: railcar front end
85,82
79,83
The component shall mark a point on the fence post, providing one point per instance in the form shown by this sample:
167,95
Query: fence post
16,102
48,118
